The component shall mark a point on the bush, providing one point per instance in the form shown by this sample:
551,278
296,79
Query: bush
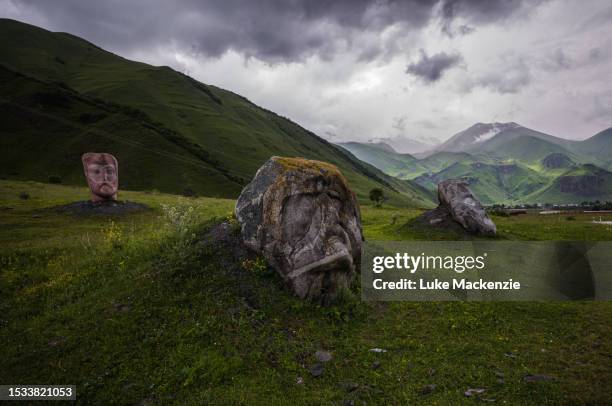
257,265
570,218
377,196
55,179
24,196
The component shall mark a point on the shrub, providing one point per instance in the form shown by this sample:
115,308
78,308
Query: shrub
377,196
180,219
55,179
257,265
113,235
233,222
570,218
24,196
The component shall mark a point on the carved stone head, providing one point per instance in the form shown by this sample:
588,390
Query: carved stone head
304,219
102,173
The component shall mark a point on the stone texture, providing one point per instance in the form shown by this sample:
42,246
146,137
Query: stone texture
304,219
456,197
102,174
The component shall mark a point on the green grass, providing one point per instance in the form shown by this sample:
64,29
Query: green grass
139,310
378,224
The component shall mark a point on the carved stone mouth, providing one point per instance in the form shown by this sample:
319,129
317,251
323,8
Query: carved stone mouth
341,260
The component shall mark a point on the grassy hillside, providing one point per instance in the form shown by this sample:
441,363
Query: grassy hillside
600,146
142,309
491,183
168,131
512,144
515,165
582,183
385,159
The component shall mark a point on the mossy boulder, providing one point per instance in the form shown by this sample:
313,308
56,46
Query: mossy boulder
304,219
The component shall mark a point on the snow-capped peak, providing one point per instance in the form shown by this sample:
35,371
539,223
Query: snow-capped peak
491,130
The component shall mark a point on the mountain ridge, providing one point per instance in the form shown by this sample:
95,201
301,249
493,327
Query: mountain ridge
484,157
148,107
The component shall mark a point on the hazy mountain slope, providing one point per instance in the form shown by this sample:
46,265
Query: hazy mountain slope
516,145
231,136
473,135
582,183
481,136
385,159
599,146
557,160
492,183
441,160
406,145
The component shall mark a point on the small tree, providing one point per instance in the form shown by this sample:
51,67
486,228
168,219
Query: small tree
377,196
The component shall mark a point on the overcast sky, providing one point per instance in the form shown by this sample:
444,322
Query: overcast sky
358,69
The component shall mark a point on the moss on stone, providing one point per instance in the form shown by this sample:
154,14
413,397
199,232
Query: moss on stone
311,166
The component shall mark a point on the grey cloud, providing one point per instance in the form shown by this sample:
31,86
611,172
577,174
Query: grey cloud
601,107
431,68
556,61
594,54
271,30
561,59
484,11
480,12
513,76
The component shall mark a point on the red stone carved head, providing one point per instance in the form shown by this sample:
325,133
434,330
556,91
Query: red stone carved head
102,173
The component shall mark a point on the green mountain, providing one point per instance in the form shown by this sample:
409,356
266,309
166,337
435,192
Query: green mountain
491,183
583,183
385,158
62,96
473,135
442,160
557,160
506,163
598,146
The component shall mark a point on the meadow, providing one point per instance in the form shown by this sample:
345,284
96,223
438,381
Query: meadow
137,309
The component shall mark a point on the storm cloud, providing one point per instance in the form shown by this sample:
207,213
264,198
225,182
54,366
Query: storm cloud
431,68
271,30
346,69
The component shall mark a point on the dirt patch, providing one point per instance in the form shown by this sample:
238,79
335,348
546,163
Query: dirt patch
89,208
439,219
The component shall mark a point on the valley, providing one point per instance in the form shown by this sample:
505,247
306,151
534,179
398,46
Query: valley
505,163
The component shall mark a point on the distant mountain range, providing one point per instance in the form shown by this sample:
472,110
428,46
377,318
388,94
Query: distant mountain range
507,163
61,96
405,145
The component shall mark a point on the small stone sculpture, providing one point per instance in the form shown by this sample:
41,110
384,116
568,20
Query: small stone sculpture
102,173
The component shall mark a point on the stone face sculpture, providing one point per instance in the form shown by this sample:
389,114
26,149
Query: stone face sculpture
456,197
304,219
102,173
